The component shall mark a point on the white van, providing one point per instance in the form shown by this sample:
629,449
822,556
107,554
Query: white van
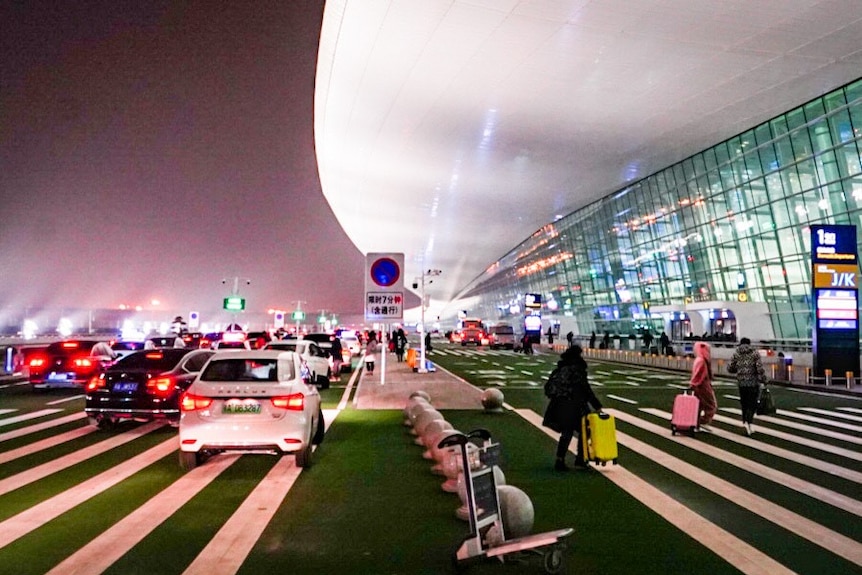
502,335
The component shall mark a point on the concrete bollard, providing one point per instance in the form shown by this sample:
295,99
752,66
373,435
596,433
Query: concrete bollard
414,408
516,514
463,512
422,421
492,400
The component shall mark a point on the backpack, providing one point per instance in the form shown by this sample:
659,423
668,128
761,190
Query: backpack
554,383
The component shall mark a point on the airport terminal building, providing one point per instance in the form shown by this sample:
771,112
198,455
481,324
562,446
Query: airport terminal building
716,244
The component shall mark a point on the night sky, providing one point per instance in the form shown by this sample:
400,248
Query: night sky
149,150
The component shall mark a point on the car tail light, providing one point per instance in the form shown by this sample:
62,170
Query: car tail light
155,355
295,402
161,385
191,402
96,382
37,362
83,362
70,344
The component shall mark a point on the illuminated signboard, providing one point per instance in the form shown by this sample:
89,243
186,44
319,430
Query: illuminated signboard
532,301
836,309
835,293
533,323
833,244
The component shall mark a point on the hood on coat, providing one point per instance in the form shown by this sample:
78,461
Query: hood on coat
702,349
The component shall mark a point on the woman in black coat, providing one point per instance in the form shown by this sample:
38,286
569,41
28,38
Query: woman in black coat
571,398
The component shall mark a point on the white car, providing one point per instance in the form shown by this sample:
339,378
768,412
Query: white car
315,357
259,401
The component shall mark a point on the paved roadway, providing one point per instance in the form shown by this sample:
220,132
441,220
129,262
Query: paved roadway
812,450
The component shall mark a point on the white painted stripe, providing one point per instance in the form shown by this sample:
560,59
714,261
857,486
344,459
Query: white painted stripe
623,399
795,456
629,383
639,379
15,384
65,399
101,552
678,386
36,516
813,444
800,427
850,409
40,426
45,443
833,498
527,373
826,393
2,411
34,474
820,420
741,555
28,416
225,552
509,367
828,539
831,413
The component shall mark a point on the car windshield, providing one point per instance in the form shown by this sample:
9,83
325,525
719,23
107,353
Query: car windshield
242,369
162,360
283,346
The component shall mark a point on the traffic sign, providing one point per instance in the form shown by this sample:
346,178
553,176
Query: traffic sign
194,320
298,315
384,286
234,303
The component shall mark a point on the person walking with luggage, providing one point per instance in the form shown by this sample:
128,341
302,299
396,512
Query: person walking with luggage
750,376
701,384
664,342
571,398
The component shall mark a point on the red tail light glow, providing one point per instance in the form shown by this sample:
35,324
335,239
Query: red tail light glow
70,344
37,362
155,355
96,382
295,402
161,385
83,362
191,402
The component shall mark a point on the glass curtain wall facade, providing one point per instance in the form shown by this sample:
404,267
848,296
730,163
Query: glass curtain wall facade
730,223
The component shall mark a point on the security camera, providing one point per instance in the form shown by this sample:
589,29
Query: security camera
415,285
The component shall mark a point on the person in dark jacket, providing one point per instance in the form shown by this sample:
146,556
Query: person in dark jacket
571,398
750,376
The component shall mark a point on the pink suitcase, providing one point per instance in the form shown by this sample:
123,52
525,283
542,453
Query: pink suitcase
686,413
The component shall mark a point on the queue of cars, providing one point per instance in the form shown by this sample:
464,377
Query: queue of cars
224,394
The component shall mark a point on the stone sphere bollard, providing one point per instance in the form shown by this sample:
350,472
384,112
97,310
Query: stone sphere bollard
453,466
422,422
420,413
492,400
430,437
516,511
421,393
415,407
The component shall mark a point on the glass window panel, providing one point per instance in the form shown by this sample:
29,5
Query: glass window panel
807,171
834,101
853,92
821,137
795,119
780,213
784,153
814,110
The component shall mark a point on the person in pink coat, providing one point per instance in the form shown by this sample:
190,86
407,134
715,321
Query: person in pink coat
701,383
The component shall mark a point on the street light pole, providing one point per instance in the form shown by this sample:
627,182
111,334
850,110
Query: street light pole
422,365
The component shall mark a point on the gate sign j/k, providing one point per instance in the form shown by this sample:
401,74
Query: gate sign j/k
384,286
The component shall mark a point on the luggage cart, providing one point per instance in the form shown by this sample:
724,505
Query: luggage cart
485,516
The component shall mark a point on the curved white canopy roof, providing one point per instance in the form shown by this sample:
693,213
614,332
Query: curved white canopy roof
451,130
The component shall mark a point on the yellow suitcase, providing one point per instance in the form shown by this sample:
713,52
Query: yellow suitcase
599,434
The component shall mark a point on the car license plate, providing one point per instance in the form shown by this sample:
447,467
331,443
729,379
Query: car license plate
62,376
240,406
126,386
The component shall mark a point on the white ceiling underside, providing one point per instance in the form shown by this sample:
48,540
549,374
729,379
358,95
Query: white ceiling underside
451,130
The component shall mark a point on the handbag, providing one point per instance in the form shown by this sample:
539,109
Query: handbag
765,404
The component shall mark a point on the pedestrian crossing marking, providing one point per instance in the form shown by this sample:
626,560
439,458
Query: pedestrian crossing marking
790,455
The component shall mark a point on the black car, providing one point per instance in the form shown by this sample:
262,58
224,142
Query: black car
144,386
68,363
